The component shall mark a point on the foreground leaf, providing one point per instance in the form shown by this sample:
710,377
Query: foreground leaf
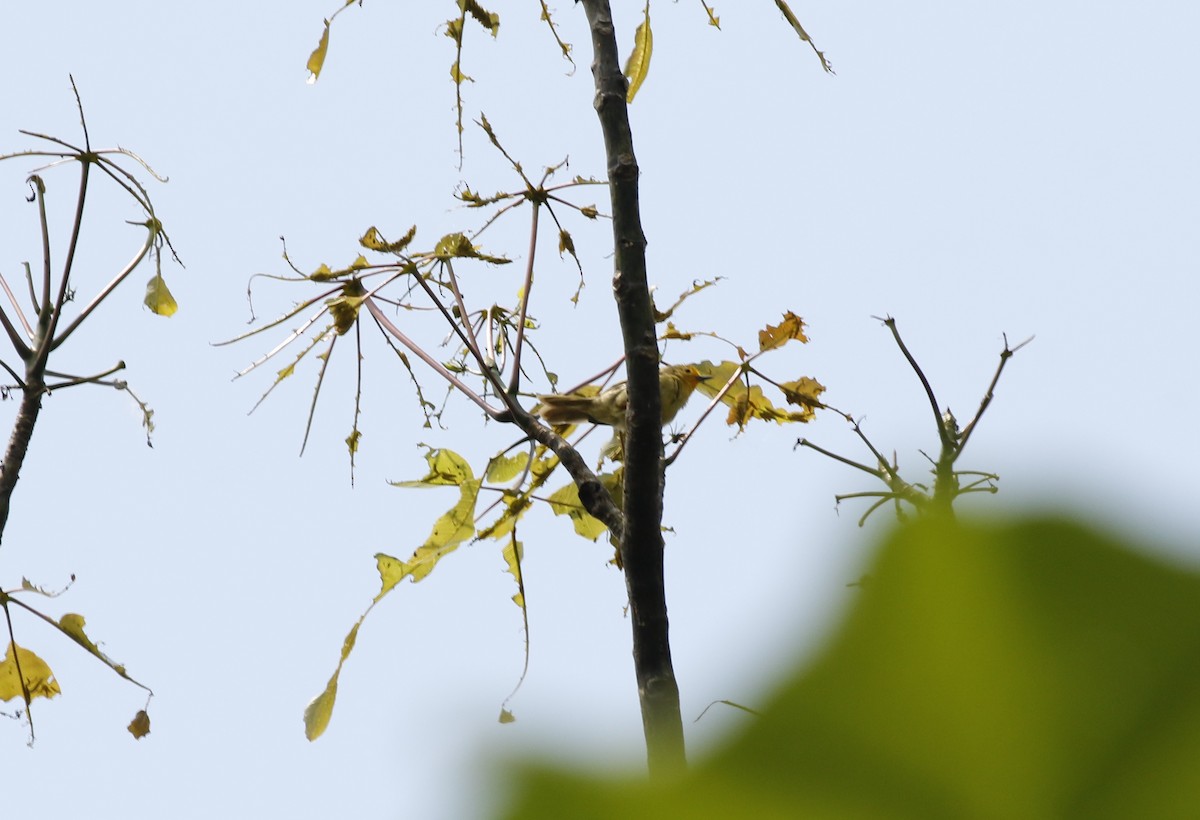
1031,670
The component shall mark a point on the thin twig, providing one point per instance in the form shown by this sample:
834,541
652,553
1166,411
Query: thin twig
514,383
441,370
113,284
1005,355
16,308
872,471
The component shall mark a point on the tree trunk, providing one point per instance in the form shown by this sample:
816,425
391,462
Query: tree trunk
641,543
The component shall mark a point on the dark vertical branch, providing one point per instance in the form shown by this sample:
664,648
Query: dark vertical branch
18,445
641,544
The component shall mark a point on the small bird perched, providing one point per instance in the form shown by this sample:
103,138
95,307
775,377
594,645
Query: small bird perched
675,384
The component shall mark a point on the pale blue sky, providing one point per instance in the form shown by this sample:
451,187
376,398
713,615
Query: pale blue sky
971,170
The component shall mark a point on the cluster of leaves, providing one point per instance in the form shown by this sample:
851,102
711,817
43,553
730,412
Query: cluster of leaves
637,66
488,340
24,675
1048,671
516,480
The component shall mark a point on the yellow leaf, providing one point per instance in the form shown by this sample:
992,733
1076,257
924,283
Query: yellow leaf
505,468
446,469
673,332
391,572
514,510
458,76
322,274
512,554
457,246
159,298
72,624
506,716
746,404
792,327
805,392
39,680
638,64
320,709
344,308
565,501
316,60
485,18
454,527
139,727
373,240
565,243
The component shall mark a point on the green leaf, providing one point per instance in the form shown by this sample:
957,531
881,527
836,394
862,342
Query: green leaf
638,64
159,298
1033,669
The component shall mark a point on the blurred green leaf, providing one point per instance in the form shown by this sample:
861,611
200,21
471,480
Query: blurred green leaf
1027,670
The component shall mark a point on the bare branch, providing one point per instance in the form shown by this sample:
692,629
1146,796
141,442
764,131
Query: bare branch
1005,355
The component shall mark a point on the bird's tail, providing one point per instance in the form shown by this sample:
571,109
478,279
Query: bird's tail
565,409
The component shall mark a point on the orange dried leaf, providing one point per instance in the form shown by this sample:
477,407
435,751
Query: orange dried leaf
139,727
775,336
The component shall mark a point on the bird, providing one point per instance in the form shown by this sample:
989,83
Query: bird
675,385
